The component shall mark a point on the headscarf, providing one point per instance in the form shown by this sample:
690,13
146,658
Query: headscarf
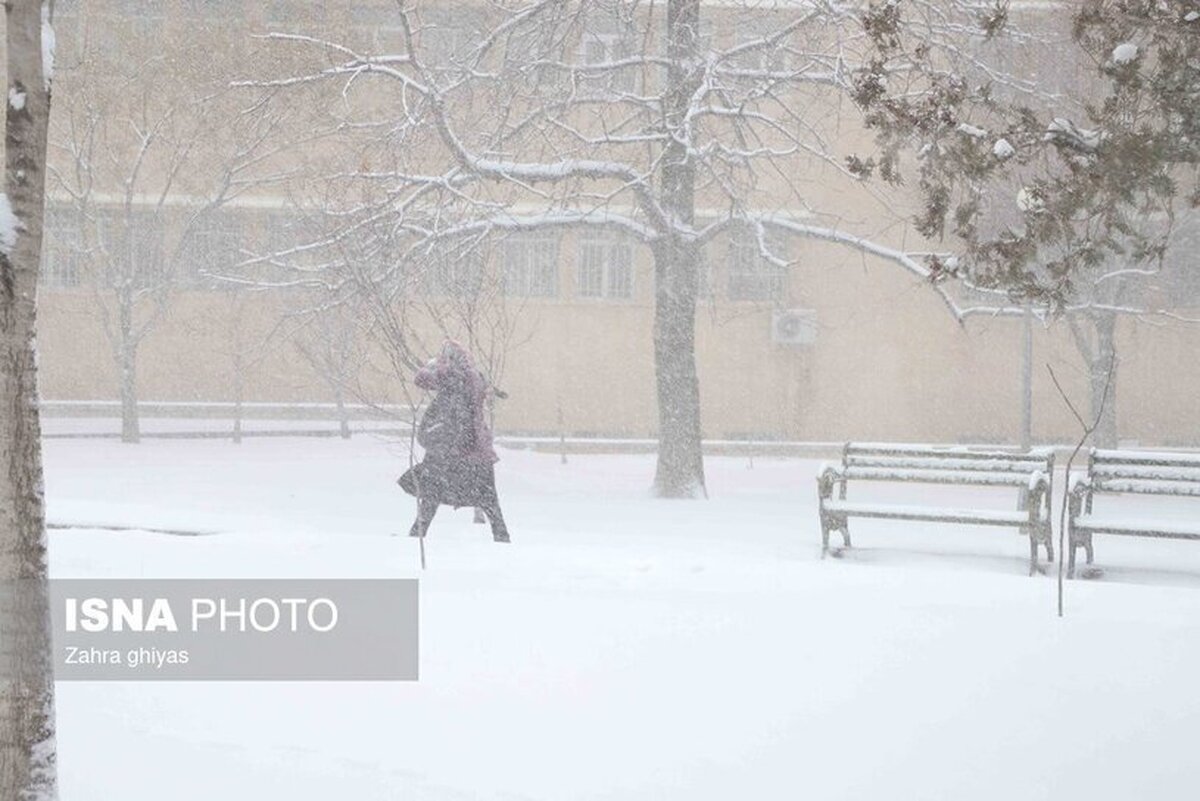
455,369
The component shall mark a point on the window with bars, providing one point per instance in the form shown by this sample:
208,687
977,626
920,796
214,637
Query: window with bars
753,277
213,251
604,48
528,52
530,266
129,247
62,249
605,269
456,274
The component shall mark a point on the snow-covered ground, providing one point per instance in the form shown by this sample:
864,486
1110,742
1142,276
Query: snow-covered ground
56,427
628,648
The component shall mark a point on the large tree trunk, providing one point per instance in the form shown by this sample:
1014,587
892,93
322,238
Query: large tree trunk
27,751
680,469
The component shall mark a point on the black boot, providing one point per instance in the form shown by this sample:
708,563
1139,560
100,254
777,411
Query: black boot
496,518
426,509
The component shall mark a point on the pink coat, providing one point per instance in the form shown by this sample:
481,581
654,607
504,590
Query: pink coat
453,370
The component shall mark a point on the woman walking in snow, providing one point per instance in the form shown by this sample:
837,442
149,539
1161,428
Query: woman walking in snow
458,467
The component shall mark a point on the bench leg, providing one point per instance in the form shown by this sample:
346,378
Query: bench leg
1076,542
1038,535
829,524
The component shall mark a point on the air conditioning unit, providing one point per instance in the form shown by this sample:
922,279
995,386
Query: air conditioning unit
794,327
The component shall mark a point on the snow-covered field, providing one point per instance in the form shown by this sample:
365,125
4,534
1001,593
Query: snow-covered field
55,427
628,648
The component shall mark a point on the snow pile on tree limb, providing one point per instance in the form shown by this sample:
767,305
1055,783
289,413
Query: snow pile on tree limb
1002,149
10,225
1068,132
16,98
1124,53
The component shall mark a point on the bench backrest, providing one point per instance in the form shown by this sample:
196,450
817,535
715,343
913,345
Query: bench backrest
1145,472
949,464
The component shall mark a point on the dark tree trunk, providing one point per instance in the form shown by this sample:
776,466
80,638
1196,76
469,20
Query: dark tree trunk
27,751
680,468
131,430
1104,388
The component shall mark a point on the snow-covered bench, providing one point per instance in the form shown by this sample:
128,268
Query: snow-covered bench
1131,472
1031,473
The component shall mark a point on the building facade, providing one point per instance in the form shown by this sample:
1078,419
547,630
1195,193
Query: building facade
836,345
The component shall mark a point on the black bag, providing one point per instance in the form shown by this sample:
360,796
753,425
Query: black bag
446,424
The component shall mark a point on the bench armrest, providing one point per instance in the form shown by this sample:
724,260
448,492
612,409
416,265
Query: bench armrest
828,477
1039,495
1079,493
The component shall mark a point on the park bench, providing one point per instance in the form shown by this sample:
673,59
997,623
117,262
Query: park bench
1117,472
1031,473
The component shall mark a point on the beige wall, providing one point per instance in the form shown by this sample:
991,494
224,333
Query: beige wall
889,362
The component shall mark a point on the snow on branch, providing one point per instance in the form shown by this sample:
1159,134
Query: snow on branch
904,259
544,221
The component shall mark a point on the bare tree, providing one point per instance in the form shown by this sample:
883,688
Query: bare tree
1132,291
365,310
331,347
146,160
27,745
606,114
